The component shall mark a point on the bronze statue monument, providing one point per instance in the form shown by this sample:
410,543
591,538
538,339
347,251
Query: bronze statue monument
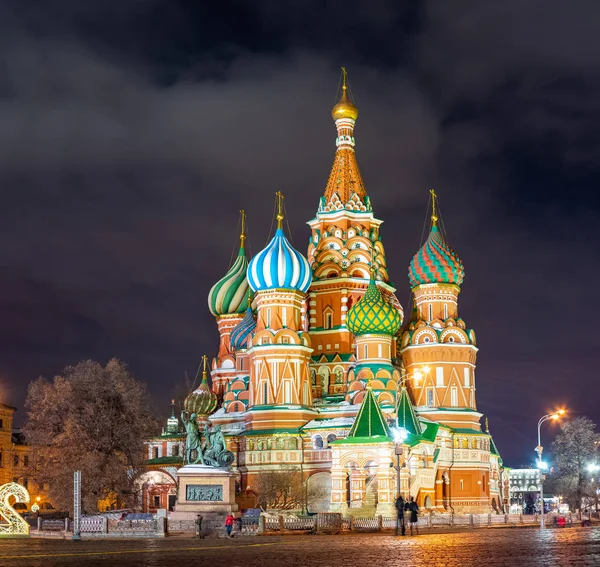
206,448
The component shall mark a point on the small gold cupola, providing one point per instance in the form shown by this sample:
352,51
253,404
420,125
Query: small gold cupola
345,108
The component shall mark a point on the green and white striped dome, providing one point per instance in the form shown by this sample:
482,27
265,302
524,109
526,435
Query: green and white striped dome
229,295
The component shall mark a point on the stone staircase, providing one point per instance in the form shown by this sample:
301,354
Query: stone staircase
369,505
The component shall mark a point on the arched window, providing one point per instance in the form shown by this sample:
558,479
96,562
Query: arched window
430,312
328,320
268,316
366,351
445,311
317,442
265,393
454,396
331,438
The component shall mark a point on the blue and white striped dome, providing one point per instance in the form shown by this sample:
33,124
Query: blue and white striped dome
241,332
279,266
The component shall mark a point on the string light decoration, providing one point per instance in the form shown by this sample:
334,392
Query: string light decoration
11,522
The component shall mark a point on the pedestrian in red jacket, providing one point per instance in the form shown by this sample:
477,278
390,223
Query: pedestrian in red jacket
229,524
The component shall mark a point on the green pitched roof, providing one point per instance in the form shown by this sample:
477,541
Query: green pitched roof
407,418
171,460
267,432
331,357
430,432
493,448
370,421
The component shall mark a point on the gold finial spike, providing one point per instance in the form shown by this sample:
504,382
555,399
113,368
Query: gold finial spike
279,217
372,270
204,359
243,232
487,425
344,79
372,265
434,217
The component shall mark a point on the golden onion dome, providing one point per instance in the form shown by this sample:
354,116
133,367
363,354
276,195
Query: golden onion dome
345,108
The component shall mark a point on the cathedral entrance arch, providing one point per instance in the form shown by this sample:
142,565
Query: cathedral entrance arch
155,489
318,492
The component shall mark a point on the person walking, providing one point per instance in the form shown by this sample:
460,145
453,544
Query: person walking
414,515
400,504
229,520
198,523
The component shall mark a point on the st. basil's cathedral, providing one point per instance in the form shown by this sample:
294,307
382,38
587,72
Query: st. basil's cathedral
318,371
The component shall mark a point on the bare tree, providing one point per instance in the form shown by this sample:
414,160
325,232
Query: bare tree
575,448
90,418
280,489
285,489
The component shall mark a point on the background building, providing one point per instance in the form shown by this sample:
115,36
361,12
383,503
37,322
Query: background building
14,461
524,489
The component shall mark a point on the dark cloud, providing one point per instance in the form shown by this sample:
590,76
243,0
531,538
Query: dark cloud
132,134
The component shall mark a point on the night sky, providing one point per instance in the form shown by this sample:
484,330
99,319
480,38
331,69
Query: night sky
132,132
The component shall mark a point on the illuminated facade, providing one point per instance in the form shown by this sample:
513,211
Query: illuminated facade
317,370
14,461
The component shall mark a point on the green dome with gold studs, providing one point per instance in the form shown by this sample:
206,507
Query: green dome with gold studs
373,314
202,401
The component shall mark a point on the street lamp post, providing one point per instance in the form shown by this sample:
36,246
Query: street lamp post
399,434
416,376
541,466
594,468
398,450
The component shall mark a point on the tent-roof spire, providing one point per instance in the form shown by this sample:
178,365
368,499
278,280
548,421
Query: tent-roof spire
369,422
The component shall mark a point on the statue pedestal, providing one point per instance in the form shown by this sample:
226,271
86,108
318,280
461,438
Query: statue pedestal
204,490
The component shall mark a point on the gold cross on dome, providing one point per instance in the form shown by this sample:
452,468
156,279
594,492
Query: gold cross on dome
243,231
434,217
279,217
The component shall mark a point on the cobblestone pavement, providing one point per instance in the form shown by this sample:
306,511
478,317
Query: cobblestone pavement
574,547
